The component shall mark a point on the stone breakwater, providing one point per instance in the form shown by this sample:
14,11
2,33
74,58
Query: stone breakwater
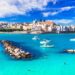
14,51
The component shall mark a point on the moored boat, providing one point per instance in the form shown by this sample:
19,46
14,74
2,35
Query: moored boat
35,38
48,46
70,51
72,39
44,41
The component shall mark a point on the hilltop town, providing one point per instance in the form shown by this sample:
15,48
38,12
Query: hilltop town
36,27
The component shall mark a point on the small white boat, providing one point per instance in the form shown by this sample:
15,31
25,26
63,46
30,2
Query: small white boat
48,46
45,41
70,51
35,38
73,39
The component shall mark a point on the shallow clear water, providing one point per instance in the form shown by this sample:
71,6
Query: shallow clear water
46,61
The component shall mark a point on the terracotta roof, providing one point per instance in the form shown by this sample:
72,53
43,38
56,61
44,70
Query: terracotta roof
47,22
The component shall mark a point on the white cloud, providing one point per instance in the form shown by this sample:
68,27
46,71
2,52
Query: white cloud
67,8
53,1
46,14
59,10
10,7
63,21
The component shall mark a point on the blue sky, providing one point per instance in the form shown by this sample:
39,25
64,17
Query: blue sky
59,11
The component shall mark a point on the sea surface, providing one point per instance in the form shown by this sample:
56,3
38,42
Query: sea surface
45,61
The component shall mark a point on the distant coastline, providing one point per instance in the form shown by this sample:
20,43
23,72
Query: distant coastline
24,32
36,27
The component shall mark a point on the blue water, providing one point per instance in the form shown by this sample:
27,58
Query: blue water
45,61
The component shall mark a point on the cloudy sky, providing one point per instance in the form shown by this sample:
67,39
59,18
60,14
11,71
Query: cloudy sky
59,11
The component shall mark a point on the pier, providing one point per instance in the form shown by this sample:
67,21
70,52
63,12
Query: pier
14,51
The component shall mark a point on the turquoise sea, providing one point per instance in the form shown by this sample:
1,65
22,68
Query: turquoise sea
45,61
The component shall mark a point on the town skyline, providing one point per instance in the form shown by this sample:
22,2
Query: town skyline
29,22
